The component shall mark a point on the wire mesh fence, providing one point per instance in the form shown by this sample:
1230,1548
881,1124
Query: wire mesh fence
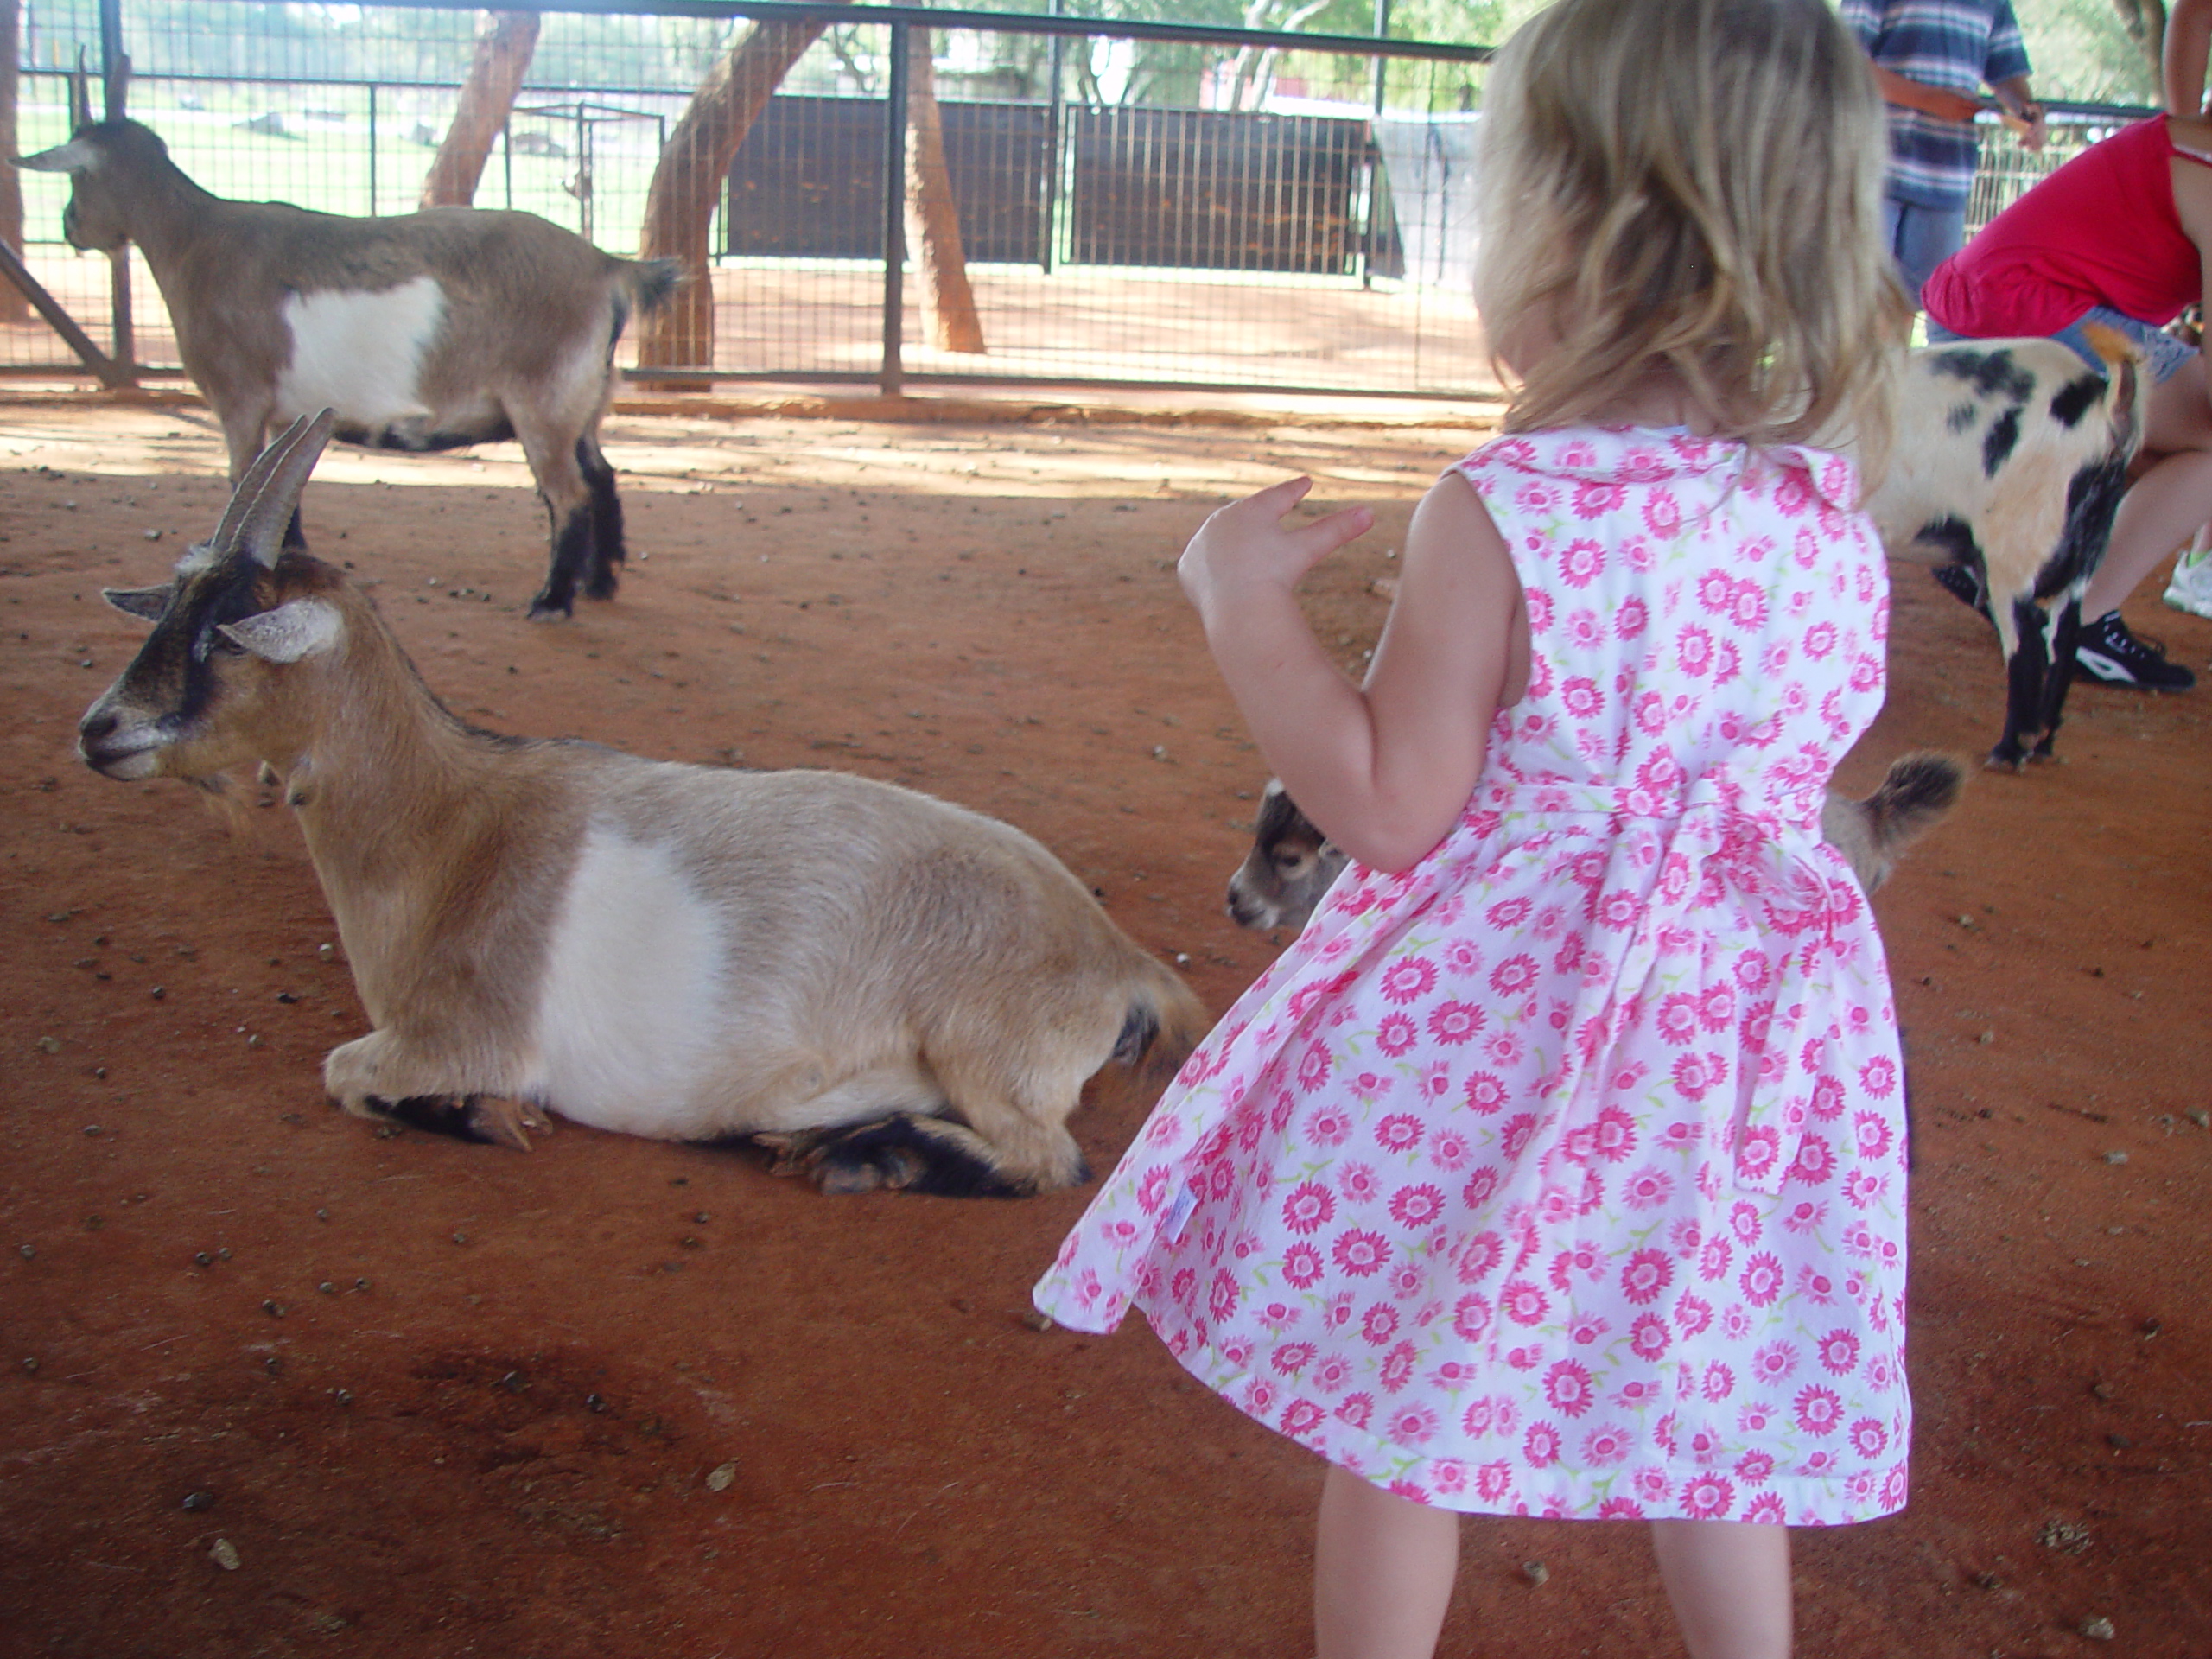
1124,204
1182,208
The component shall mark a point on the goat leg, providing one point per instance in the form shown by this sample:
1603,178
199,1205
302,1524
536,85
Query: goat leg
607,550
572,556
2026,668
492,1120
2058,676
903,1152
503,1121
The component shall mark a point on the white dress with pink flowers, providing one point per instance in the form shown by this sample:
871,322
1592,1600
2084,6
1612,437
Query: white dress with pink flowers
1564,1174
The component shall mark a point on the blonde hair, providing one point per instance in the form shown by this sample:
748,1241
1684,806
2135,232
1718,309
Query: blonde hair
1693,187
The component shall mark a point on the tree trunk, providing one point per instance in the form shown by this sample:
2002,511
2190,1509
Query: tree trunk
2144,22
688,183
932,216
14,308
505,45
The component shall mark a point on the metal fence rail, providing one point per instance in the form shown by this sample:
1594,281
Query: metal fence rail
1139,203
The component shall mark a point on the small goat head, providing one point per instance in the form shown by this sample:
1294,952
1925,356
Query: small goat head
196,698
1291,865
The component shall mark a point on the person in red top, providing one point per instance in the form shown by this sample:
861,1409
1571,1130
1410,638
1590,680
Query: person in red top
2117,236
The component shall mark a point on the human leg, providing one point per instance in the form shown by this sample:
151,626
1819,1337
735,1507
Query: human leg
1922,239
1728,1582
1383,1572
2165,507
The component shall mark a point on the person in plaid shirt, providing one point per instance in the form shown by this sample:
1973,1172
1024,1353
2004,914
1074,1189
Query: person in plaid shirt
1931,58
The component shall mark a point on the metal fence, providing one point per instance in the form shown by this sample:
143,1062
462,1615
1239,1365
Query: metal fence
1137,204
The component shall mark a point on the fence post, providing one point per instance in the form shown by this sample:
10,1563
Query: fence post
1370,170
894,378
115,74
1055,118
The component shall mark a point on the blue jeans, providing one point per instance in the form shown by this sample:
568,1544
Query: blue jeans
1921,238
2163,354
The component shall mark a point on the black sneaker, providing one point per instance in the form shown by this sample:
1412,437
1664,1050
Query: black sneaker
1962,584
2108,653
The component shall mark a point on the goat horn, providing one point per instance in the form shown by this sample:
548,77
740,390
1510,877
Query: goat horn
262,507
118,86
80,94
249,487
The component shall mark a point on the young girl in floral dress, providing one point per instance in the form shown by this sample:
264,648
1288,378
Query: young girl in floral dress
1558,1167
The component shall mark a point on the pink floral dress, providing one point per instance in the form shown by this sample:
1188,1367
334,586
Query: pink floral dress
1564,1172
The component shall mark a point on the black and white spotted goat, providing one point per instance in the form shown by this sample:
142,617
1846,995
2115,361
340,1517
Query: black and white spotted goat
424,331
890,990
1292,864
2010,459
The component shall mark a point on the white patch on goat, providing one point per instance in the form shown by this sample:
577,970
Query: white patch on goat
360,352
632,1009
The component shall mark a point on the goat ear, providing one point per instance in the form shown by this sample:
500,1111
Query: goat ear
147,604
262,507
304,627
75,157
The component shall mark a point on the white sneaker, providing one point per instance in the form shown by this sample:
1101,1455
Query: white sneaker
2190,589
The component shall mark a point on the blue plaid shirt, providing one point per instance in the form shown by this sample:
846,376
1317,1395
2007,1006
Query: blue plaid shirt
1957,45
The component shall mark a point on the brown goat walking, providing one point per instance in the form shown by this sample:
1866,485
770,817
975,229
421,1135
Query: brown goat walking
424,331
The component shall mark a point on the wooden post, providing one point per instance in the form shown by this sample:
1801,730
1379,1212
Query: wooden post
111,375
892,379
115,71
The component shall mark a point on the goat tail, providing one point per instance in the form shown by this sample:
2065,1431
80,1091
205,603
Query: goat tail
1918,789
1164,1023
2123,361
650,282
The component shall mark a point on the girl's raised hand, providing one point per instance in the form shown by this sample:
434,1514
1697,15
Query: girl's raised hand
1247,543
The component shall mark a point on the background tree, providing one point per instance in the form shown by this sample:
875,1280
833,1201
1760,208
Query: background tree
505,41
933,215
686,184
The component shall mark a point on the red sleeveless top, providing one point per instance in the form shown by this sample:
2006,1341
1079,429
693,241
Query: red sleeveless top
2101,231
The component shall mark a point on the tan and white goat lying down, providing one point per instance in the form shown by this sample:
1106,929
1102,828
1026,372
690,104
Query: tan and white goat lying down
892,990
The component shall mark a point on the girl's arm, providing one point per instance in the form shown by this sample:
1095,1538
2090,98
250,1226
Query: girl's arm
1385,768
2181,66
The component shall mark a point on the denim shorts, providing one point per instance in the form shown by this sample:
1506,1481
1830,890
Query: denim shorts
2161,353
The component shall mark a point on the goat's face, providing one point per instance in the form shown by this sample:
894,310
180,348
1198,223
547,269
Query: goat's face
1289,867
97,159
206,691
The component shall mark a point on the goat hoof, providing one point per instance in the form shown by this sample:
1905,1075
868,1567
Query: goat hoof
543,610
863,1167
499,1121
789,1154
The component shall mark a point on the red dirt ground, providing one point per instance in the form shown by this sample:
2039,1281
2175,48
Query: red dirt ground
621,1398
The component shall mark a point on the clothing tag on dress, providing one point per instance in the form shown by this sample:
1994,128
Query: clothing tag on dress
1178,1215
